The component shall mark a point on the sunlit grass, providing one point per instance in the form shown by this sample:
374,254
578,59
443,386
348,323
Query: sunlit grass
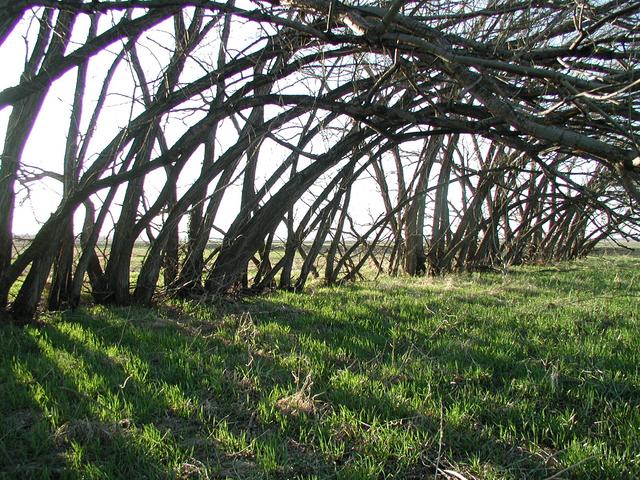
526,375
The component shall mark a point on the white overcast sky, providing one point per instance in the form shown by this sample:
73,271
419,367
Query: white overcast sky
45,147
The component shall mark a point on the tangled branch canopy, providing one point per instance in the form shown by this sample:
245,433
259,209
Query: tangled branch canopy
526,112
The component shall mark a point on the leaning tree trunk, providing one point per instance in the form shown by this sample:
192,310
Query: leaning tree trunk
201,220
229,265
118,265
414,255
329,272
327,216
117,271
24,306
62,281
21,120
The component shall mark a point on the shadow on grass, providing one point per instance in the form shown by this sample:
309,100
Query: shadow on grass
104,396
58,430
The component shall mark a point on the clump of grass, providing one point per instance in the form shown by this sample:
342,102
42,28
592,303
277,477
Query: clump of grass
301,401
84,430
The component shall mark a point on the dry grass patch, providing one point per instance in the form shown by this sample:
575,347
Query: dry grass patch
301,401
85,431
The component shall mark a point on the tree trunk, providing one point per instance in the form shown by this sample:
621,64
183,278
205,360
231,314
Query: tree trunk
62,281
329,273
414,255
21,122
440,227
233,256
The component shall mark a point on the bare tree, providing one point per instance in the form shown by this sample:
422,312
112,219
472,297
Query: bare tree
496,134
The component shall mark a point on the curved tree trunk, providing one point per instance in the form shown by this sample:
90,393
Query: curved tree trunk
62,281
21,122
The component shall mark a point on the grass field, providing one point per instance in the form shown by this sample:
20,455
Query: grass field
533,374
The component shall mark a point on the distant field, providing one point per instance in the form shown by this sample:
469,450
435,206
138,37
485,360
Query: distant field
608,247
533,374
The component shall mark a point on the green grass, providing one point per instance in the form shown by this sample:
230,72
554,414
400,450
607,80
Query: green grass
533,374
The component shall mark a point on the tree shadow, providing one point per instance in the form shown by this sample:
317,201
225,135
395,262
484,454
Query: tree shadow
133,409
52,418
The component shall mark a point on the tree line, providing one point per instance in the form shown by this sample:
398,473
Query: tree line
496,133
